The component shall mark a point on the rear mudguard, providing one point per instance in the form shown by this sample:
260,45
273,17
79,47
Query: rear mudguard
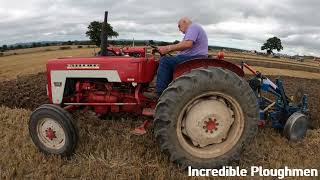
205,63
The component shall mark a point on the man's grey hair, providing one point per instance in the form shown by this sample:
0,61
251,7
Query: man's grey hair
185,20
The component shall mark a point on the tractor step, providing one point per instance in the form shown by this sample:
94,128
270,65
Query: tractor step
141,130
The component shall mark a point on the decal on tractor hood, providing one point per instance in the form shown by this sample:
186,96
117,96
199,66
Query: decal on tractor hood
83,66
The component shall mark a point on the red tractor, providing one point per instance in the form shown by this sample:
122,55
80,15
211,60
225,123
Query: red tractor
204,118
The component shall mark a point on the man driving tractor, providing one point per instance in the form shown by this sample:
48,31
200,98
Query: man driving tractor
193,45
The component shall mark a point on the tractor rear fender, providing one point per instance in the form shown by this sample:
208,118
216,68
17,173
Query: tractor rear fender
205,63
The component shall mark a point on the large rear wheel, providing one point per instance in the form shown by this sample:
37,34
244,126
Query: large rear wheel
205,118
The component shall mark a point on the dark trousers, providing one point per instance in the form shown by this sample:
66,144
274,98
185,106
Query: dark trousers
165,71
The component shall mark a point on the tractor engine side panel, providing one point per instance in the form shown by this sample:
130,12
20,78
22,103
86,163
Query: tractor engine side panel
59,77
104,97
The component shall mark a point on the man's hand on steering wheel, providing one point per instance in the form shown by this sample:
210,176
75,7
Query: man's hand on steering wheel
162,50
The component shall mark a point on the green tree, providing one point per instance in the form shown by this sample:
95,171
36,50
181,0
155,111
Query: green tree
34,45
4,48
10,47
271,44
94,32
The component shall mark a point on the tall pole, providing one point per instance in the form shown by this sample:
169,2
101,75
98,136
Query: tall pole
104,35
133,42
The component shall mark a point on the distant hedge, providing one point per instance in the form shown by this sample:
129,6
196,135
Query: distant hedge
65,47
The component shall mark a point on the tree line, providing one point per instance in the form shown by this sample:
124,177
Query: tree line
5,47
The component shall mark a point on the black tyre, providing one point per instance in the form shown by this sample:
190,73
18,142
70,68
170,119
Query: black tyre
296,127
205,118
52,130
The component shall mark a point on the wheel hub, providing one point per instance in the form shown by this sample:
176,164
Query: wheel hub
210,125
208,121
51,134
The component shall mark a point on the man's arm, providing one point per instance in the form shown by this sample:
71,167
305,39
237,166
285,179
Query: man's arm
189,38
183,45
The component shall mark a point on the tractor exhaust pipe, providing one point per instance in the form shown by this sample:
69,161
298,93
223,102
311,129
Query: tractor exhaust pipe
104,35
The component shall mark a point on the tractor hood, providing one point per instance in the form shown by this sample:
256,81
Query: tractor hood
129,69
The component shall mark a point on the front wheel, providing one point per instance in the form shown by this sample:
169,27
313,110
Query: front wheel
52,130
205,118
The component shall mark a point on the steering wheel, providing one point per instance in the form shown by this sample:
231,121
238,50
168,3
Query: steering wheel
156,50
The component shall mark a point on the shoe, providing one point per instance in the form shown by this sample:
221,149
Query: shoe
151,95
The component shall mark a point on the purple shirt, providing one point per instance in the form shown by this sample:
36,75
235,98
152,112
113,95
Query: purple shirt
199,37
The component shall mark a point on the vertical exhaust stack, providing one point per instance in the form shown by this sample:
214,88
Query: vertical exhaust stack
104,35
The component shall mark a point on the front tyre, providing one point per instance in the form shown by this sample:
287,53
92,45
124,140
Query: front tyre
52,131
205,118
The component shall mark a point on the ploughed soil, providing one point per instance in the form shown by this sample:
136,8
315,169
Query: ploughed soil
107,149
24,92
278,65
